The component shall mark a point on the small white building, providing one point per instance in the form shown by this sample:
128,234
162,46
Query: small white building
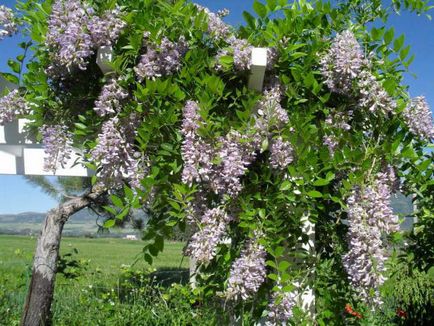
131,237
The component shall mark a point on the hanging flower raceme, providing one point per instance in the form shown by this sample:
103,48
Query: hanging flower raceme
217,28
11,106
240,50
57,146
196,153
281,153
343,63
418,117
280,308
271,116
370,216
248,272
118,160
105,30
68,38
110,99
235,154
203,244
8,26
373,96
331,142
161,60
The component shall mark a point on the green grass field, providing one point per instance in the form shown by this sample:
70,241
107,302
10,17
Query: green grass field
104,260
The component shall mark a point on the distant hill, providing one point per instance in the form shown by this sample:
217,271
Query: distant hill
83,216
84,221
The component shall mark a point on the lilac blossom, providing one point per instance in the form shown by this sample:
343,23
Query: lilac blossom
203,244
417,116
331,142
373,96
196,153
57,146
118,160
69,42
161,60
8,26
217,28
343,63
271,116
340,120
11,106
281,153
111,98
105,30
370,216
236,153
280,308
248,272
241,51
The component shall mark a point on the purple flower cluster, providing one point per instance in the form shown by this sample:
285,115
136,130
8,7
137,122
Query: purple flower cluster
74,31
161,60
57,146
340,120
346,71
8,27
118,160
203,244
418,117
233,154
343,63
281,153
372,95
331,142
217,28
370,216
110,99
241,51
271,116
12,105
106,29
196,153
280,308
248,272
68,37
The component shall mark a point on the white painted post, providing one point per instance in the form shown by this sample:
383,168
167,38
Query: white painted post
257,69
103,58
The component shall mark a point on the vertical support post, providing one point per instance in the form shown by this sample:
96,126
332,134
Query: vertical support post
257,69
103,57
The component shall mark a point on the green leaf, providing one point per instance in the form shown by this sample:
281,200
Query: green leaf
388,37
404,53
286,185
321,182
10,78
399,42
109,223
250,20
283,266
260,9
15,66
117,201
314,194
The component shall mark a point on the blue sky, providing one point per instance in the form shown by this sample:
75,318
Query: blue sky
17,196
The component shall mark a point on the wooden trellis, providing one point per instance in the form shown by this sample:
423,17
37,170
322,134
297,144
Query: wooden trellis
21,156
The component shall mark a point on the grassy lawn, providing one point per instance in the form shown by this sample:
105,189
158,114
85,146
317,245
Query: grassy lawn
104,260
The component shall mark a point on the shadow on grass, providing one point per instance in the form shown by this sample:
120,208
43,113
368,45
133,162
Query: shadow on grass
166,276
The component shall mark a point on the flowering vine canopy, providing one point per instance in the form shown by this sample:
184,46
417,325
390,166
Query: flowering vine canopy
329,140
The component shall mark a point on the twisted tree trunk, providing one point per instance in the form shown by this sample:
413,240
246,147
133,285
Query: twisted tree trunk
37,307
